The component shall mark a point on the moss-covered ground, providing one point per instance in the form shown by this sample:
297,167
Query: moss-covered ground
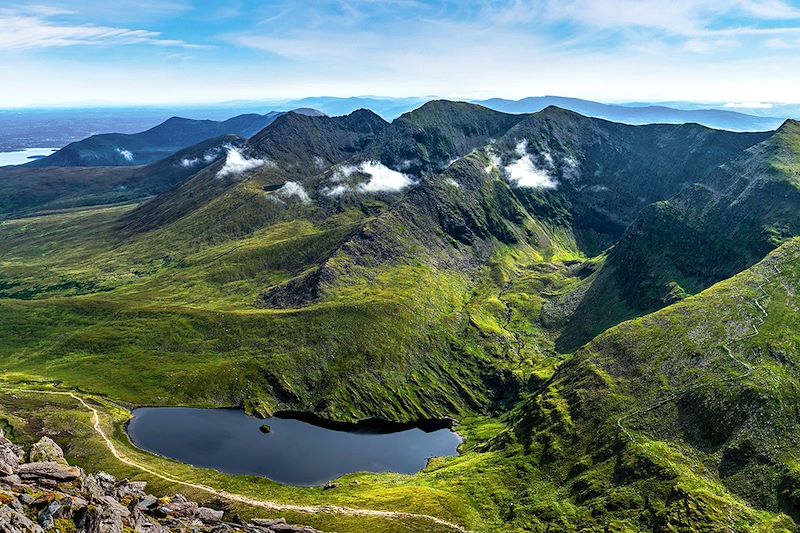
681,420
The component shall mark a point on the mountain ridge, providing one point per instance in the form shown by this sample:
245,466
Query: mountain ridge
609,309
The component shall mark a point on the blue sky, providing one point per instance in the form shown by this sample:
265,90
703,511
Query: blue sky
197,51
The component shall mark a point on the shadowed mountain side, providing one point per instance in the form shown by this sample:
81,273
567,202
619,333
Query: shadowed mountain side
704,234
163,140
691,407
26,190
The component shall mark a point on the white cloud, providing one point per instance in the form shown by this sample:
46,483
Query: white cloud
494,161
343,172
292,188
381,178
452,183
126,154
406,164
34,28
336,190
236,163
211,155
524,173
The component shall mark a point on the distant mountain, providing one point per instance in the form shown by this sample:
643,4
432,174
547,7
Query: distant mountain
639,114
759,109
27,189
388,108
632,113
163,140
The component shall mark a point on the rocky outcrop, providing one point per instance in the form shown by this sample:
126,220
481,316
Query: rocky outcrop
46,494
46,450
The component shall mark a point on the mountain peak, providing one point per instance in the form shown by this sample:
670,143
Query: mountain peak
790,125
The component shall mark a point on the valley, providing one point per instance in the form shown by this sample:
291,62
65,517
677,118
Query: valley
608,311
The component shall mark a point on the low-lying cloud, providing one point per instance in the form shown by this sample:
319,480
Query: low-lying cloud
236,163
381,178
494,161
210,155
525,173
293,189
127,155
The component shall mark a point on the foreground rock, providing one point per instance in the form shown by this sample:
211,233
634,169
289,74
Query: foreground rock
46,450
46,494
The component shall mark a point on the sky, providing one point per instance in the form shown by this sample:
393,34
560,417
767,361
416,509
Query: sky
81,52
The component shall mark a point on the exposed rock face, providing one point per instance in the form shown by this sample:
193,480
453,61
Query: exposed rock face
46,450
49,495
48,470
10,455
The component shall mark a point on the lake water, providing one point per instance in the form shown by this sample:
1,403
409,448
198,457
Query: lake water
294,452
23,156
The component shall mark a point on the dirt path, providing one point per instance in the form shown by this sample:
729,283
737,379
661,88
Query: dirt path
726,347
273,506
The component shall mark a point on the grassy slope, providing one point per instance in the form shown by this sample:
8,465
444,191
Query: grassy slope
709,451
459,314
703,234
656,426
151,321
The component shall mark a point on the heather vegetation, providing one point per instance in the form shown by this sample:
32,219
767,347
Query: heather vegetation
609,311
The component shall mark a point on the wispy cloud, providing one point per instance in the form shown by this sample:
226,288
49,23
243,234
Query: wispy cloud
525,173
36,28
596,49
236,163
127,155
291,189
380,178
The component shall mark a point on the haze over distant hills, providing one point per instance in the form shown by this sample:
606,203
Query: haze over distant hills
119,149
711,115
644,114
26,128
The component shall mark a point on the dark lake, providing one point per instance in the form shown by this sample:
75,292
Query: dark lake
294,452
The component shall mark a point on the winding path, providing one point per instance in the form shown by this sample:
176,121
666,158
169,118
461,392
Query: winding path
726,346
273,506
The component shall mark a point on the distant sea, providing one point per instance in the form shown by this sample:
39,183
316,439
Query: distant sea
26,155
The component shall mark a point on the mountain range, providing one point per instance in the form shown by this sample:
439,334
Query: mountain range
608,309
158,142
58,127
640,113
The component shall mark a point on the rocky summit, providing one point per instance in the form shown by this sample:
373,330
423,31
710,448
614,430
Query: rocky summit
47,494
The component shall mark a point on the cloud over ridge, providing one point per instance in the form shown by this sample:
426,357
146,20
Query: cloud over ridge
381,178
525,173
236,163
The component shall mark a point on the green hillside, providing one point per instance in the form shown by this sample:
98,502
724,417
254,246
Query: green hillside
609,308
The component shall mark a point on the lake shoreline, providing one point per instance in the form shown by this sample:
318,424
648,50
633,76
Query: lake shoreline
297,451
